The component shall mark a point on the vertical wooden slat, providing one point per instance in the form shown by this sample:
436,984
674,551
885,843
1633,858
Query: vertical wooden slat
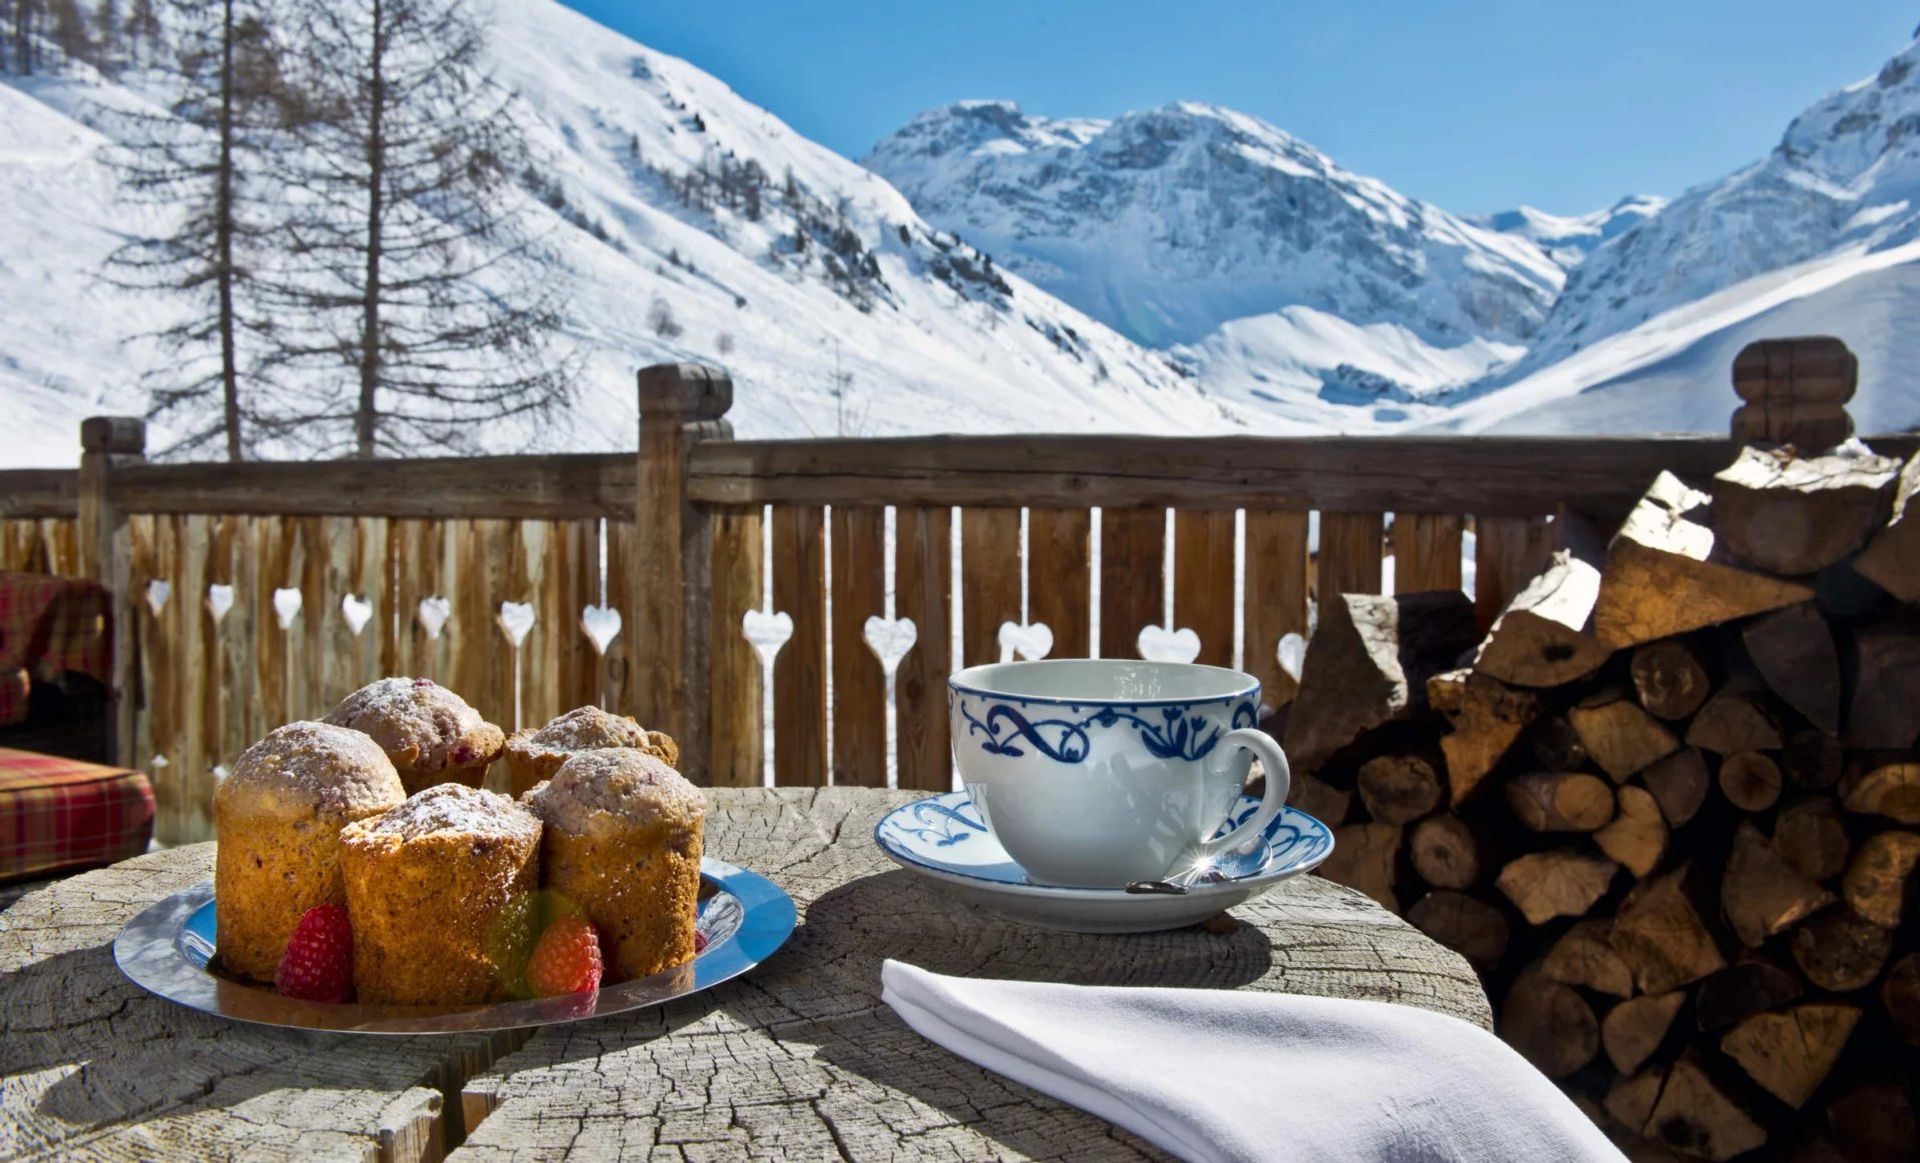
319,610
1132,577
618,667
1506,552
556,620
922,585
1350,553
1276,597
1203,580
859,685
735,704
217,700
189,616
800,669
1426,552
1059,563
244,717
166,694
989,580
270,645
529,681
142,567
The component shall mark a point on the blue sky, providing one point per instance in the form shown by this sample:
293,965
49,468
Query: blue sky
1562,104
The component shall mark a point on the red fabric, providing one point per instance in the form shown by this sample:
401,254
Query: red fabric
49,625
58,814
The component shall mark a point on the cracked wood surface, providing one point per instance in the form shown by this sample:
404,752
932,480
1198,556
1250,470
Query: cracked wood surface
798,1059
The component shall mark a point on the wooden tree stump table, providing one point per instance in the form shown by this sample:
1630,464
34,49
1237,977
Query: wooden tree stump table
799,1059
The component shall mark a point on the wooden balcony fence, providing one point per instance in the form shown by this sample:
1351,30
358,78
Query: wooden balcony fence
263,592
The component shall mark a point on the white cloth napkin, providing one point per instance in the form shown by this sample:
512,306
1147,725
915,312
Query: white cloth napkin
1234,1074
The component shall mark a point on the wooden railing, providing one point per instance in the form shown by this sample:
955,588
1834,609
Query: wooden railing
262,592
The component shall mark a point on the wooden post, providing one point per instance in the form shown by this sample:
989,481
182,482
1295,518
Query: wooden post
1795,392
680,405
106,556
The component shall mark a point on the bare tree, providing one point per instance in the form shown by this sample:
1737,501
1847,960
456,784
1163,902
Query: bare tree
26,24
422,297
201,156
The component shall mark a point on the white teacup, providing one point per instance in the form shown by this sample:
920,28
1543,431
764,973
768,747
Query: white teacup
1097,773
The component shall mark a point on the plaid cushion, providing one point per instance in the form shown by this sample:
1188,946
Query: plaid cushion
15,687
53,624
63,814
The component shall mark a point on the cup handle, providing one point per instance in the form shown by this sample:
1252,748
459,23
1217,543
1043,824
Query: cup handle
1279,780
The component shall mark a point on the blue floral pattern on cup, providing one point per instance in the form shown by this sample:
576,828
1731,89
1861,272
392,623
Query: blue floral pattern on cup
1177,733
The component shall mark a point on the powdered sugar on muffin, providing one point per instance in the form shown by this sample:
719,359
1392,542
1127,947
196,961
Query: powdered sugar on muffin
455,809
424,728
536,754
307,767
624,783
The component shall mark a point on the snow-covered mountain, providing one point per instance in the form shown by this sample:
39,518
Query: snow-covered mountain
1249,251
1568,239
874,323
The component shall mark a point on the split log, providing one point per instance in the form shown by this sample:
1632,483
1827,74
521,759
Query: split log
1695,1116
1445,852
1892,559
1794,652
1877,883
1368,664
1484,717
1841,952
1364,856
1666,573
1319,799
1796,515
1630,1099
1661,936
1900,994
1875,1124
1621,738
1560,883
1811,759
1752,986
1582,956
1668,677
1467,925
1552,1026
1637,837
1544,637
1891,790
1733,721
1811,836
1761,893
1885,710
1561,801
1679,785
1399,789
1750,781
1634,1029
1557,746
1791,1053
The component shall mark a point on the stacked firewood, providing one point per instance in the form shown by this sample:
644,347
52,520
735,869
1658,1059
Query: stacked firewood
1669,805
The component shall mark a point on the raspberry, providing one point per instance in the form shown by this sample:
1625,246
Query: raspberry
565,960
318,963
699,942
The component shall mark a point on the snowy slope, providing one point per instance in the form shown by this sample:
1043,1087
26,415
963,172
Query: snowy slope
1567,239
888,326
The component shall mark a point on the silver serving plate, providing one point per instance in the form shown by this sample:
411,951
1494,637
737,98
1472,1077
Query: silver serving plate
168,947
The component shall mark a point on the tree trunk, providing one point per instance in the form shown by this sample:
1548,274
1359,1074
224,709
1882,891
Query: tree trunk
366,416
226,270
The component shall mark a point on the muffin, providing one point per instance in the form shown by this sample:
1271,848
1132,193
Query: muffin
438,893
430,733
278,818
623,845
534,755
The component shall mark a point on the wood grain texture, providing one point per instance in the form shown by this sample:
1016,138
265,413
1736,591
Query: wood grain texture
1507,552
1132,577
923,588
800,669
1059,572
801,1059
1351,545
1276,597
736,704
1426,552
1203,580
990,564
859,684
27,493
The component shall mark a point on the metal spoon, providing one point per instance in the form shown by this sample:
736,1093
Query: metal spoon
1178,886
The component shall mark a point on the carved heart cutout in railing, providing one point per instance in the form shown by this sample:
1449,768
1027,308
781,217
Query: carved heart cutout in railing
1031,641
158,591
434,613
890,639
219,601
1291,653
1159,644
767,631
286,606
358,611
516,621
601,625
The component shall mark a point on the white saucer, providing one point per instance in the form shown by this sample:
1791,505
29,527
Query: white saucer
943,839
